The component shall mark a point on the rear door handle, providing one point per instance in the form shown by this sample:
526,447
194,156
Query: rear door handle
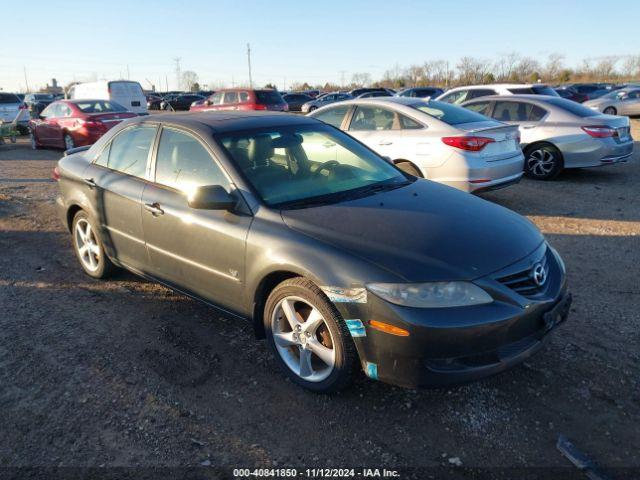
90,182
154,209
385,142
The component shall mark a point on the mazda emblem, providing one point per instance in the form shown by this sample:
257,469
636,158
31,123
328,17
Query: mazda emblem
539,274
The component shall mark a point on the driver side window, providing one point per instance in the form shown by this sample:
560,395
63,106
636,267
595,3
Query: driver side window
372,119
183,163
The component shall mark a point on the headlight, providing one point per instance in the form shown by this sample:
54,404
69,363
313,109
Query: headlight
431,295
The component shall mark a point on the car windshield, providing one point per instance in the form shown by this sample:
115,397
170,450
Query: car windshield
99,106
448,113
8,98
303,165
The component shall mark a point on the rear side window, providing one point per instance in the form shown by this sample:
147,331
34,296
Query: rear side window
130,149
183,163
333,116
447,113
99,106
480,92
216,98
480,107
518,112
244,97
231,97
407,123
268,97
372,119
8,98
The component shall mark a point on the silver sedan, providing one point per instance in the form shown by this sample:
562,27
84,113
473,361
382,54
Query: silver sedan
625,101
558,133
435,140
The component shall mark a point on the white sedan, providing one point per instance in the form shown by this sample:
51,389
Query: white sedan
434,140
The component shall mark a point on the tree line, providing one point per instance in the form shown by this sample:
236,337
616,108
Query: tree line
508,68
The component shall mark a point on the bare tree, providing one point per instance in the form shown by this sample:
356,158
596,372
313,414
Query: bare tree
189,79
361,79
472,70
552,70
505,66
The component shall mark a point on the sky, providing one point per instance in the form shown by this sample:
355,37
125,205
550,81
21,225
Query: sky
292,41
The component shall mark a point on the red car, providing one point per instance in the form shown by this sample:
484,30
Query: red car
243,99
75,123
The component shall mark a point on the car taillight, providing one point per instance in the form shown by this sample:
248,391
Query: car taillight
471,144
92,123
600,131
259,106
55,174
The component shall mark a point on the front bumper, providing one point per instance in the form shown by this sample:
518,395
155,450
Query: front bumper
457,345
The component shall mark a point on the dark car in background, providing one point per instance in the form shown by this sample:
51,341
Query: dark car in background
571,93
421,92
154,100
74,123
243,99
376,93
333,254
37,102
356,92
180,102
324,100
296,100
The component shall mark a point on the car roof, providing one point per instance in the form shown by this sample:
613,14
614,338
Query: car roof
511,98
384,100
501,85
229,121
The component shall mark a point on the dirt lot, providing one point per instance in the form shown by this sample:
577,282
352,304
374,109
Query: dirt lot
127,373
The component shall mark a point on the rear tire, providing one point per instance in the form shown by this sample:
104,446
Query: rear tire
317,333
610,111
69,143
542,162
89,247
311,109
409,168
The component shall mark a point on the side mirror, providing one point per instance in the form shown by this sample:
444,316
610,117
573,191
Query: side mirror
211,197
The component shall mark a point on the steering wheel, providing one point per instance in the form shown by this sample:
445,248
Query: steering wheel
328,166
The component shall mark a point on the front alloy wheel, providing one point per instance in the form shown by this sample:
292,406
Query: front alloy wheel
542,162
308,336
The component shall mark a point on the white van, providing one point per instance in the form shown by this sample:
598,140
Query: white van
127,93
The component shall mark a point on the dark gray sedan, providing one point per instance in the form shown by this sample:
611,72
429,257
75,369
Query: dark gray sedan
336,256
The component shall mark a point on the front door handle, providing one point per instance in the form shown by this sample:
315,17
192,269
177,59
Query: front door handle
527,127
154,209
385,142
91,182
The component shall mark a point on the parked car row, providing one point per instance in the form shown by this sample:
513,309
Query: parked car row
480,147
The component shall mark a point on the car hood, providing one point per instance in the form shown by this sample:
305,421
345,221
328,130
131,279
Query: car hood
422,232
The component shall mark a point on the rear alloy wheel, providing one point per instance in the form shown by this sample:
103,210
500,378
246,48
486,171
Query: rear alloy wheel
542,162
68,142
409,168
610,111
89,247
309,338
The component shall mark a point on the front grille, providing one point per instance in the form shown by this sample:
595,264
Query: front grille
523,282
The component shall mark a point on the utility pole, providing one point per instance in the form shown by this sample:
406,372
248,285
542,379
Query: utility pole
342,72
25,78
178,72
446,80
128,74
249,62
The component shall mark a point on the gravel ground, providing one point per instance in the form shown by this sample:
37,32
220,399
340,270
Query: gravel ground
127,373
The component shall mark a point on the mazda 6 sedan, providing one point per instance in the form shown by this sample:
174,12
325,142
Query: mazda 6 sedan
334,255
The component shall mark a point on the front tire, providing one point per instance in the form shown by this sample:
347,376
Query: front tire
610,111
542,162
89,247
308,337
409,168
